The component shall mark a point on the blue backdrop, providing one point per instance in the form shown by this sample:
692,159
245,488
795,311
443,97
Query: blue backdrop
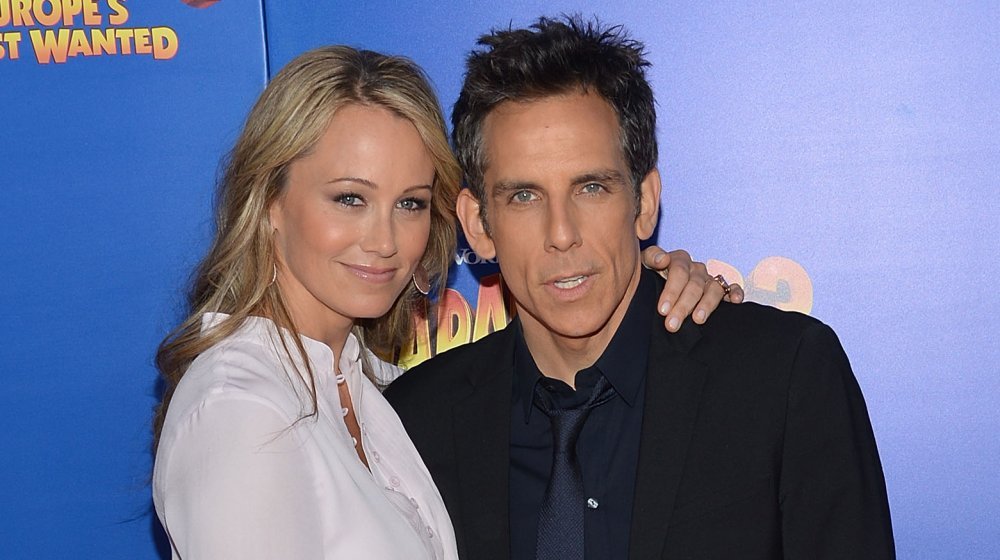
839,158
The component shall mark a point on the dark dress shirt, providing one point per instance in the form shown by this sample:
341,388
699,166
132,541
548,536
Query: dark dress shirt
608,448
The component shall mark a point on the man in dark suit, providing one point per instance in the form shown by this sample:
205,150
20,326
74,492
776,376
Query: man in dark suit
583,428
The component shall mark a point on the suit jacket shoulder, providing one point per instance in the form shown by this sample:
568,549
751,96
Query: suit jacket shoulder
451,373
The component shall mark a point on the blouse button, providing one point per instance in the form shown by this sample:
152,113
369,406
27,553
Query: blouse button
376,456
394,481
430,532
413,502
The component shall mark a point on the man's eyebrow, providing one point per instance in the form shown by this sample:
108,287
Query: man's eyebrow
601,176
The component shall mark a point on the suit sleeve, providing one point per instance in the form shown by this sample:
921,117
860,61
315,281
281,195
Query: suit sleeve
832,491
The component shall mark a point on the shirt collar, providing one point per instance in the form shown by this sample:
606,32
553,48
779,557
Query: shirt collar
623,362
319,353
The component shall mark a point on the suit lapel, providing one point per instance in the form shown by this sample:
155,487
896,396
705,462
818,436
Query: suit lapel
673,392
482,440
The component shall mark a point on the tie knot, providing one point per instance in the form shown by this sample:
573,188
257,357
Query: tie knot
567,423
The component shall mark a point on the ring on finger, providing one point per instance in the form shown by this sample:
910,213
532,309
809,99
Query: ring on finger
722,282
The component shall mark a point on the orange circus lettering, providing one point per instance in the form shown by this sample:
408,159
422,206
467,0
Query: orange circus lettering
776,281
491,313
454,318
418,349
783,283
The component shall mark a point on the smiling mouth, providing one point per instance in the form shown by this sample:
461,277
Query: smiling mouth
569,283
372,274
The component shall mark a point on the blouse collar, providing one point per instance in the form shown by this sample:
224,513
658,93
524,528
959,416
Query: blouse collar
319,353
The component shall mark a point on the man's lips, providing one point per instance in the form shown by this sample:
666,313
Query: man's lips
566,282
569,282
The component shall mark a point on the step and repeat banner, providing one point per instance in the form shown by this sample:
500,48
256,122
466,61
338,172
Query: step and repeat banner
838,160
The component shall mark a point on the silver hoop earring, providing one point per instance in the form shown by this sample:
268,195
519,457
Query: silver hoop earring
274,276
420,280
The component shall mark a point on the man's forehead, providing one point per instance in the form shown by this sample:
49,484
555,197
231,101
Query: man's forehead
557,129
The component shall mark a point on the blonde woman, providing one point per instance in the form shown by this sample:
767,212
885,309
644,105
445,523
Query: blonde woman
273,440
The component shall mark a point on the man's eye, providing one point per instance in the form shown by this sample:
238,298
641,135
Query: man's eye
523,196
349,199
592,188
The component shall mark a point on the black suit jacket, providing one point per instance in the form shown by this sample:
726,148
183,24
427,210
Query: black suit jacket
755,443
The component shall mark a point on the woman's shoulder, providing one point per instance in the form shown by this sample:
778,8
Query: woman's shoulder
243,366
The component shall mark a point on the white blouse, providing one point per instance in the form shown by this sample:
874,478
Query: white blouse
240,474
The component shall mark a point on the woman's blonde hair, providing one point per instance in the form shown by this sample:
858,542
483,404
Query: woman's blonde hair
285,123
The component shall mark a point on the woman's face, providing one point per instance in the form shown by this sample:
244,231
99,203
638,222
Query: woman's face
353,220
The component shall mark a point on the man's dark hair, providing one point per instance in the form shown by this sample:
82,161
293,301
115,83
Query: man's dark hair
553,57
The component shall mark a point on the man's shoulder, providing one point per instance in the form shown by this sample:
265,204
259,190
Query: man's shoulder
760,337
756,323
452,369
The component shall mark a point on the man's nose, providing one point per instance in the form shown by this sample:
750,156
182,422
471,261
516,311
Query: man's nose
563,232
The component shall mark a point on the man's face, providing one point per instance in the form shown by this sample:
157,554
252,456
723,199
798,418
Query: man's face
563,222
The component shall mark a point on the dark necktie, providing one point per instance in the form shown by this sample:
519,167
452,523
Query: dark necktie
560,519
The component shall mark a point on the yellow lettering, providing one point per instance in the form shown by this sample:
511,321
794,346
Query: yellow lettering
454,316
120,15
49,45
49,18
4,13
103,41
164,43
419,349
781,282
78,44
125,39
142,44
491,314
91,15
22,13
71,9
12,39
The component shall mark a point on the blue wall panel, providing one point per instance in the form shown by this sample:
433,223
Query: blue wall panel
840,159
107,165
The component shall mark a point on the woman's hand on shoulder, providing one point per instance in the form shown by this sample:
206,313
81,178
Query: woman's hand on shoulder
690,289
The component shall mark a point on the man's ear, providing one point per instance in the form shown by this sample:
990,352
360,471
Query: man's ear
649,205
467,208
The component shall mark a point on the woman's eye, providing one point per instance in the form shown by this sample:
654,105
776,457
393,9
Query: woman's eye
413,204
350,199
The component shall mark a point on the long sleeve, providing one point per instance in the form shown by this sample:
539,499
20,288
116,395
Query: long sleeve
240,485
832,490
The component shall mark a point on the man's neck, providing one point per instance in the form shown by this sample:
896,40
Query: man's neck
561,357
